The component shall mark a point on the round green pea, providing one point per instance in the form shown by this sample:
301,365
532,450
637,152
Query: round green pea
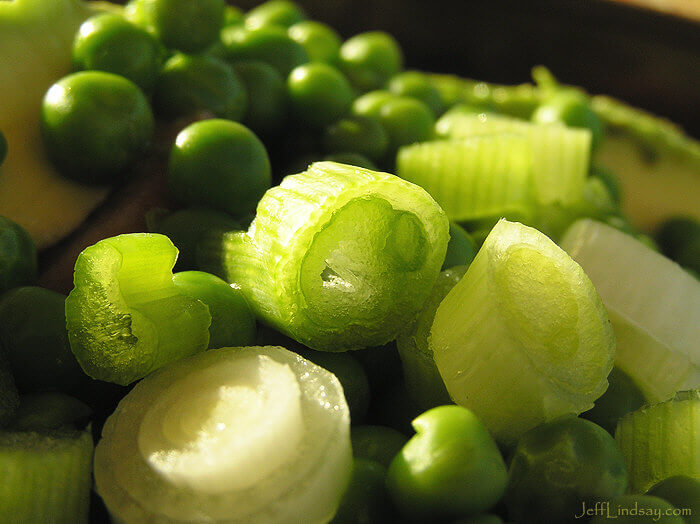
370,104
108,42
319,94
219,164
352,159
622,396
406,121
357,134
274,13
370,59
3,148
681,491
232,321
95,125
417,85
191,83
571,108
635,509
267,107
18,257
322,43
365,499
377,443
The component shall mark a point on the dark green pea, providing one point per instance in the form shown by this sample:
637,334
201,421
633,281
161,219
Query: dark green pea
269,44
3,148
461,249
611,181
376,443
622,396
406,121
319,94
232,16
370,104
191,83
18,258
417,85
186,25
559,466
33,335
365,500
267,107
95,125
370,59
232,321
187,227
274,13
634,509
108,42
571,108
47,411
681,491
357,134
352,159
219,164
679,239
322,43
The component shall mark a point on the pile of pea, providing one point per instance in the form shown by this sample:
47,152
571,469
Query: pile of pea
237,85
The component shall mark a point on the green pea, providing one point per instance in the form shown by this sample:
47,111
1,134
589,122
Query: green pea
47,411
406,121
186,25
377,443
635,509
357,134
571,108
370,104
232,321
187,227
681,491
18,258
319,94
219,164
274,13
95,125
267,108
559,466
108,42
622,396
365,500
352,159
322,43
370,59
450,468
3,148
33,335
269,44
191,83
679,239
233,16
417,85
461,249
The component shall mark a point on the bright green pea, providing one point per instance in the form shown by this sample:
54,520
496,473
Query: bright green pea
365,500
319,94
571,108
406,120
191,83
274,13
267,107
357,134
450,468
232,16
622,396
33,335
681,491
219,164
322,42
95,125
558,466
679,239
352,159
186,25
377,443
187,227
269,44
232,321
18,258
417,85
370,104
370,59
108,42
3,148
47,411
635,509
461,249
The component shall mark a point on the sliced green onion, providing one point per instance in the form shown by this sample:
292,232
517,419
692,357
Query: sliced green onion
661,441
523,337
338,257
199,440
125,317
653,304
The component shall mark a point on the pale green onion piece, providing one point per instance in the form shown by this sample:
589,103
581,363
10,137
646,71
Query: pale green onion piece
254,434
338,257
523,337
653,303
46,477
661,441
479,177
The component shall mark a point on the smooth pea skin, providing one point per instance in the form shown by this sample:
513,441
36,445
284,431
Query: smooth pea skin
370,104
3,148
558,466
636,509
417,85
95,125
319,94
376,443
267,107
108,42
681,491
356,134
191,83
219,164
274,13
571,108
18,258
407,121
365,500
370,59
450,468
322,42
232,322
